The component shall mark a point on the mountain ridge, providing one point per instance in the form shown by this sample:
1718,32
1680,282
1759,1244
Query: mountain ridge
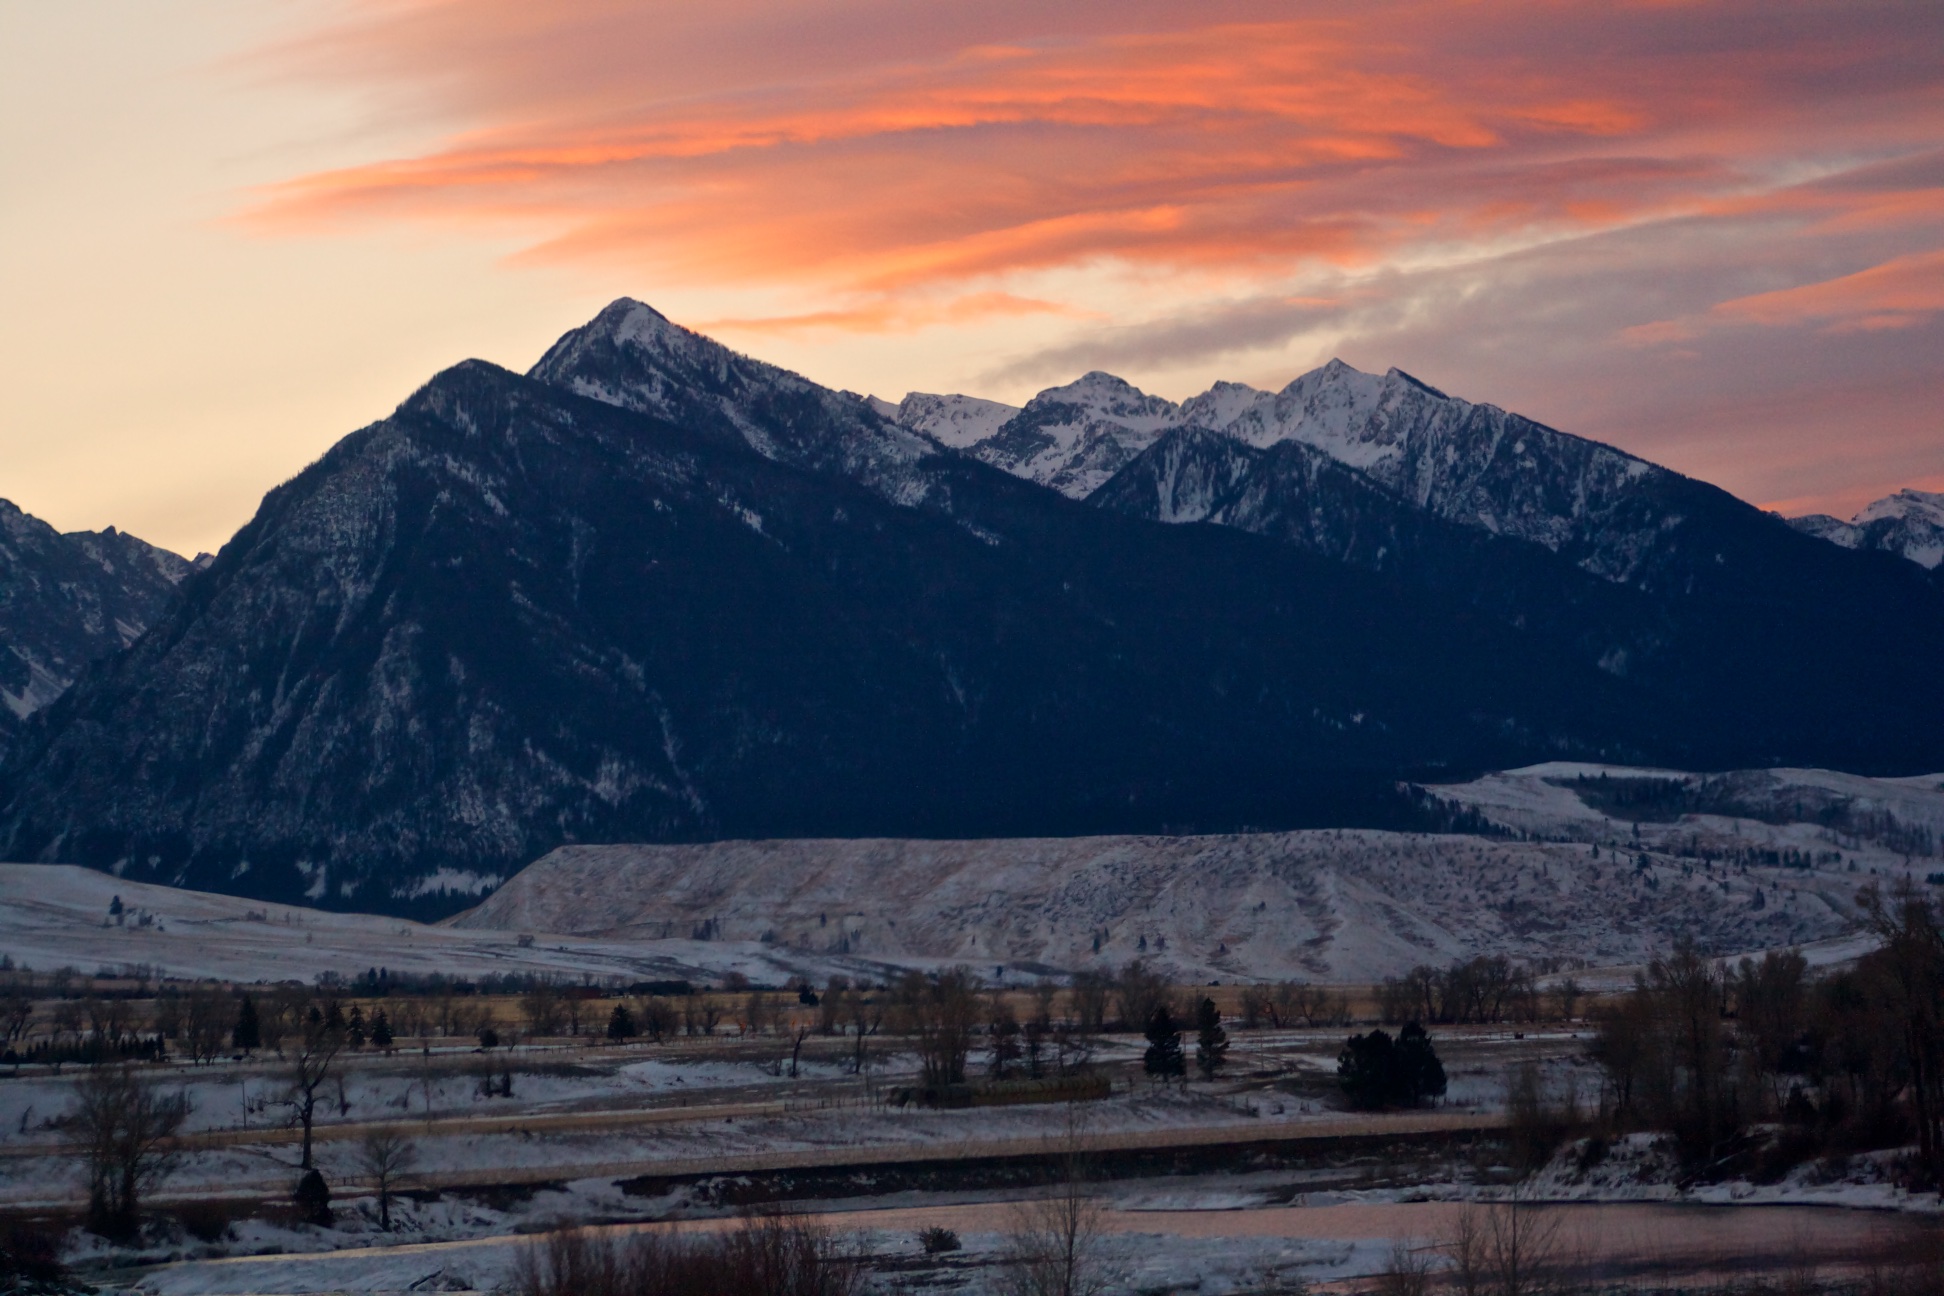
655,590
68,599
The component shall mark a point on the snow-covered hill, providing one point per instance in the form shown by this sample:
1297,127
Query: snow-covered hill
1781,866
1910,523
56,915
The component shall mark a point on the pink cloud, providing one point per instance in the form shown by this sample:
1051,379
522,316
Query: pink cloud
1899,293
856,145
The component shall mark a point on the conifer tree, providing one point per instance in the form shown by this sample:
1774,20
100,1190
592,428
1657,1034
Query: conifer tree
381,1031
1211,1041
247,1035
1164,1058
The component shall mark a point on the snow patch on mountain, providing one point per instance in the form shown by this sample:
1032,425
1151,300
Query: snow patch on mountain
953,420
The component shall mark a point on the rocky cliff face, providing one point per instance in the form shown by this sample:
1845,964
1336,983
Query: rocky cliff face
68,600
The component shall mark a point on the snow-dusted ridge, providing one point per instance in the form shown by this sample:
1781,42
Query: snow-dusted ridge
1910,523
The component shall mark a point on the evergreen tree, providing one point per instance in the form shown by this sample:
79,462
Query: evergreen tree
247,1035
381,1031
1419,1073
313,1198
354,1030
1164,1058
1378,1071
621,1024
1364,1069
1211,1041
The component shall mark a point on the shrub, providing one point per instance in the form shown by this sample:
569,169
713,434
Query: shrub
313,1200
767,1256
937,1241
204,1221
30,1259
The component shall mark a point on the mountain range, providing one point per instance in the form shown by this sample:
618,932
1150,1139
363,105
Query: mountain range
655,590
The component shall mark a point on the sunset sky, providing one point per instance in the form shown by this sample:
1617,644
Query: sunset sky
233,230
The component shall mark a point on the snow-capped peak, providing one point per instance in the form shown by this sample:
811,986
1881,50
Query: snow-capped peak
1910,523
953,420
1103,395
1911,505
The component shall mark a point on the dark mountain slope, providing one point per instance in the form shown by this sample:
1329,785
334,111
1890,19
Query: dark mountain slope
1788,648
509,617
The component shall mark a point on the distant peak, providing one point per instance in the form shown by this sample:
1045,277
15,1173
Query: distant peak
622,307
1092,384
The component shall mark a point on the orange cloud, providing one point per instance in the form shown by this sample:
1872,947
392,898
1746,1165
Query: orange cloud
1897,294
886,315
1236,141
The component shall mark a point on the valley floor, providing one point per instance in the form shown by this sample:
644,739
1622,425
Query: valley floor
1249,1184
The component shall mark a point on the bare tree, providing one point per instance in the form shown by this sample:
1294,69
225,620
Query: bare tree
121,1126
317,1046
541,1008
944,1015
1138,991
205,1025
1090,994
866,1015
16,1009
1508,1248
1912,961
387,1155
1053,1245
1407,1272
